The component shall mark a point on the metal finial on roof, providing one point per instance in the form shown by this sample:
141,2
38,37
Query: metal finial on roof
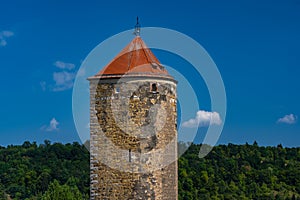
137,27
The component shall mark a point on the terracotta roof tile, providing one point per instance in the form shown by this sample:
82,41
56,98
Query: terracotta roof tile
135,58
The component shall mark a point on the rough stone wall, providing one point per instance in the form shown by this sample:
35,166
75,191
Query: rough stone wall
133,140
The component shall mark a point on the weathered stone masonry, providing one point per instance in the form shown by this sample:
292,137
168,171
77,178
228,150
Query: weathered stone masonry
130,119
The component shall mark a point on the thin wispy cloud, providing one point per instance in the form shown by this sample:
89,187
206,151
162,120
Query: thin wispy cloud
64,65
3,37
203,119
64,79
288,119
53,126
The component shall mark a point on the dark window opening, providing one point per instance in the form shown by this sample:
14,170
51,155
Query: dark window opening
154,87
117,90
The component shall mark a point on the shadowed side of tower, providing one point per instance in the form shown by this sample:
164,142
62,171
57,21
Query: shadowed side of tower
133,136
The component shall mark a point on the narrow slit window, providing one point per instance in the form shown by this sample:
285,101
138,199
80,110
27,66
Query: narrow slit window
129,155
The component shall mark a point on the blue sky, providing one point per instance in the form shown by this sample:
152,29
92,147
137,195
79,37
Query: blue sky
255,45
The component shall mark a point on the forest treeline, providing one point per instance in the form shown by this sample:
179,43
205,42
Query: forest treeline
240,172
61,171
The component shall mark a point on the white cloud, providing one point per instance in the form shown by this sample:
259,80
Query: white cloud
53,125
63,80
203,119
288,119
3,37
64,65
63,77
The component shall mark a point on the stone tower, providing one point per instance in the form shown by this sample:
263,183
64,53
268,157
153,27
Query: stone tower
133,135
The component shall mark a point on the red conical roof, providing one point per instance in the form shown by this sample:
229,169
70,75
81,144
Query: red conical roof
135,59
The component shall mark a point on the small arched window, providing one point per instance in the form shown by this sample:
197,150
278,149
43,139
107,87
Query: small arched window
153,87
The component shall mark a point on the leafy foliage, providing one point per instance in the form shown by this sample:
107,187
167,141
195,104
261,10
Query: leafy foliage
240,172
30,171
57,171
62,192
